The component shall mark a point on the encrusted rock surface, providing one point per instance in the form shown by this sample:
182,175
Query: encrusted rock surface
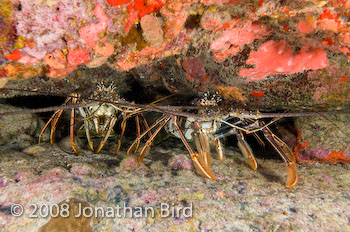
323,139
240,199
277,55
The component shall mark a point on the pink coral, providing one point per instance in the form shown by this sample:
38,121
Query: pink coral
96,62
220,2
329,21
82,169
222,56
58,64
132,17
148,196
318,154
130,163
346,153
47,26
91,33
179,162
171,7
176,14
346,36
278,58
28,60
211,20
61,72
240,34
104,50
57,60
174,24
131,60
305,27
152,31
78,56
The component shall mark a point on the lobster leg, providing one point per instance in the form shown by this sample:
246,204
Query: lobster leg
286,154
149,142
198,162
72,141
260,141
54,117
105,125
203,147
110,128
123,126
144,121
246,150
46,125
87,132
137,121
161,119
219,148
96,121
54,125
86,126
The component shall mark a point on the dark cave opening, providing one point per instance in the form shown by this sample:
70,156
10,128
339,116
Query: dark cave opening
260,150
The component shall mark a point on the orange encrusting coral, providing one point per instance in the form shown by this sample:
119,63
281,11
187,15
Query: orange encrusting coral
61,66
231,40
57,60
146,6
106,49
174,24
10,69
305,27
78,56
131,60
118,2
257,94
261,2
176,12
152,31
336,156
276,57
140,8
17,70
15,55
25,59
224,26
214,21
329,21
343,79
